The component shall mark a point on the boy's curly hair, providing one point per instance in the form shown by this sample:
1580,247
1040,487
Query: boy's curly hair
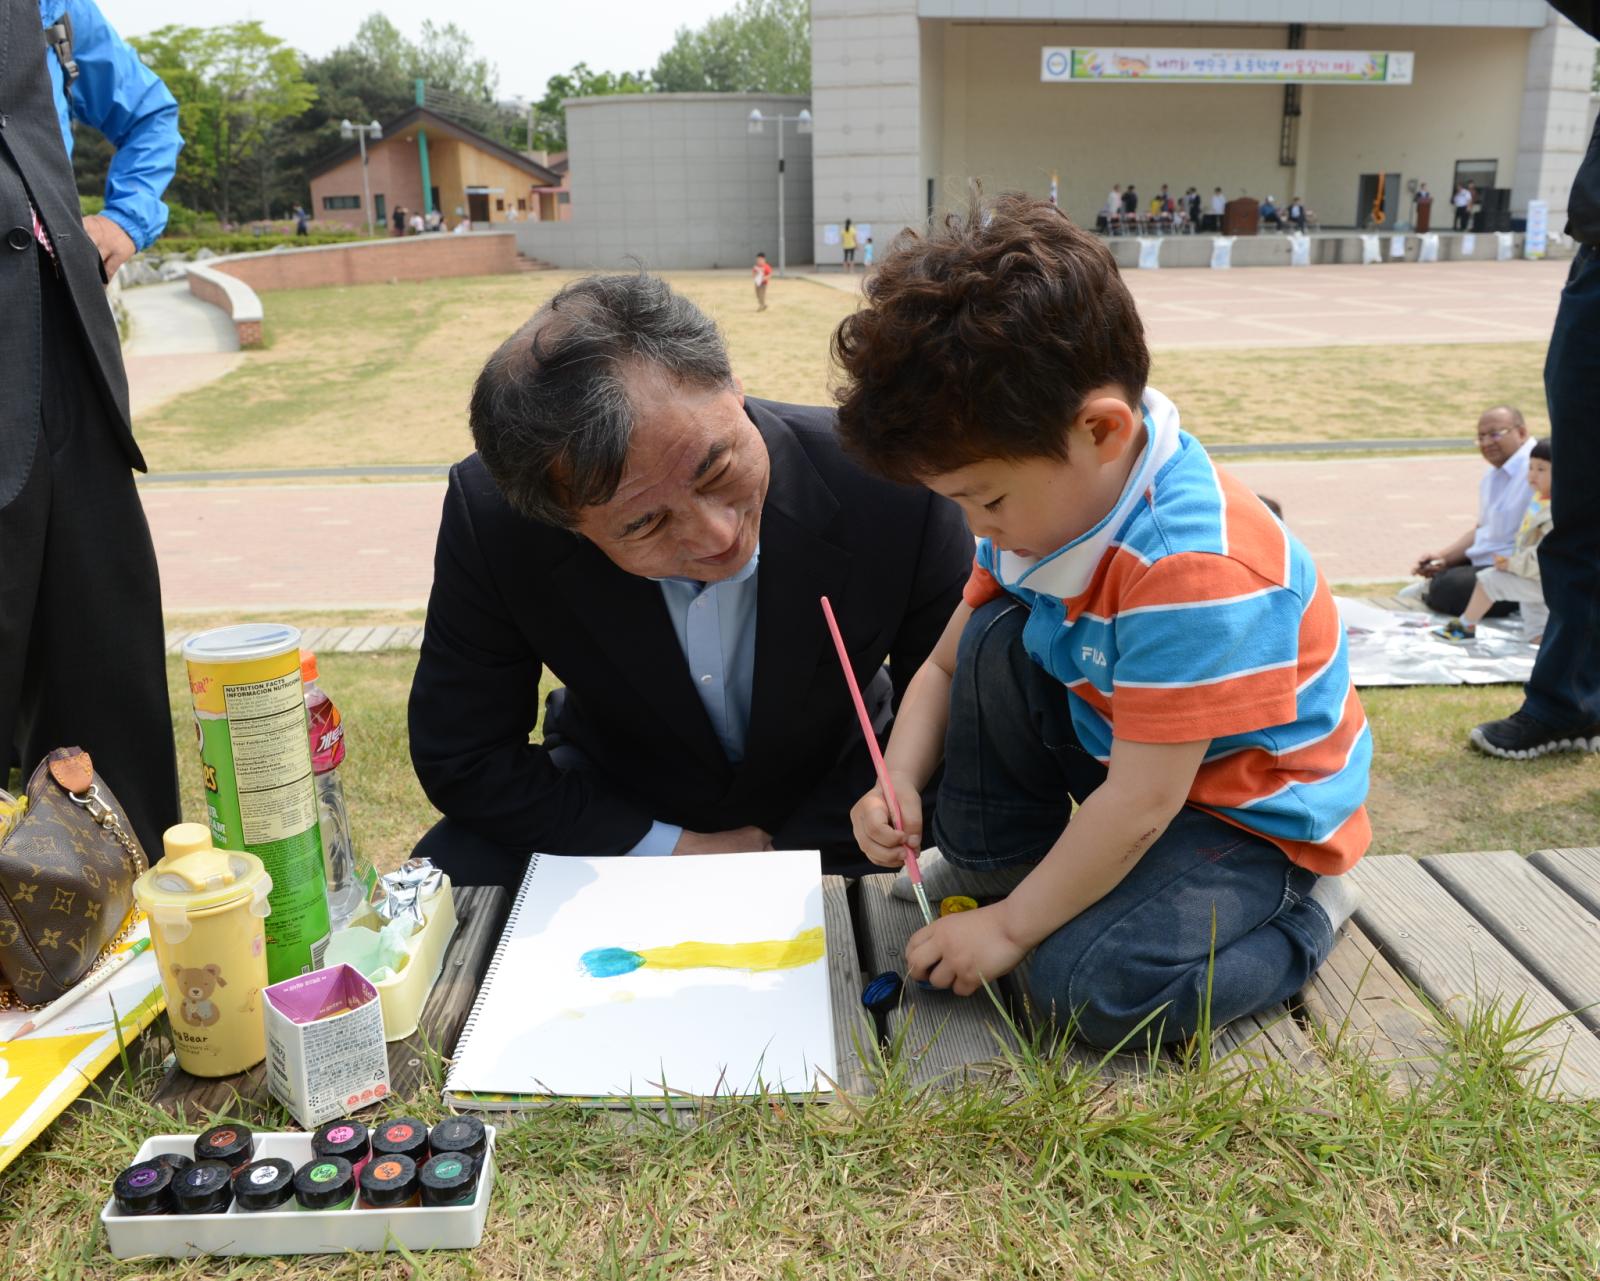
982,339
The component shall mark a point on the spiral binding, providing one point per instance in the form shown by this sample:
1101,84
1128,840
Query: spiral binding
485,987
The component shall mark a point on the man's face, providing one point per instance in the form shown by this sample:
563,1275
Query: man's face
1499,437
689,503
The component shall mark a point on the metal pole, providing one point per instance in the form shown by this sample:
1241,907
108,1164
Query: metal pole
783,249
366,187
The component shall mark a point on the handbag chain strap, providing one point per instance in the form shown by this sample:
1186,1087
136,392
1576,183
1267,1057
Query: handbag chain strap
106,817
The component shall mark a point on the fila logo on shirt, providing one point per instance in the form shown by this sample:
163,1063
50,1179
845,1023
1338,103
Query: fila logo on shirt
1092,655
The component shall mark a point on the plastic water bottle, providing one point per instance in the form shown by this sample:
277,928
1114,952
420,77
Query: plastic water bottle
327,752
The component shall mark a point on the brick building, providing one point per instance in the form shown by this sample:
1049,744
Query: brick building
468,175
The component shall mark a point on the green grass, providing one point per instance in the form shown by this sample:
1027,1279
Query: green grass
381,374
1041,1172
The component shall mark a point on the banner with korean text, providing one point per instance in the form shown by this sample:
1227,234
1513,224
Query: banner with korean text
1224,66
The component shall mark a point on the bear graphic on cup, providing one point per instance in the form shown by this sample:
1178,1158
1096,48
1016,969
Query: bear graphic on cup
197,984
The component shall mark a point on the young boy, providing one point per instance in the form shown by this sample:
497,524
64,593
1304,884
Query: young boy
1142,648
760,274
1514,577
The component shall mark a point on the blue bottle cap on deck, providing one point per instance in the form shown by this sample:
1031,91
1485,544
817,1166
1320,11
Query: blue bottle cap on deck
881,994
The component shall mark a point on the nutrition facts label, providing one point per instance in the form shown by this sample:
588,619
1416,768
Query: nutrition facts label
271,758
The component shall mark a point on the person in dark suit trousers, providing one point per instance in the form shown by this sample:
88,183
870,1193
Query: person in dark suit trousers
659,542
81,644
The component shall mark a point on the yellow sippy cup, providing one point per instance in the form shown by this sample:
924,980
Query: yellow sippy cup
206,907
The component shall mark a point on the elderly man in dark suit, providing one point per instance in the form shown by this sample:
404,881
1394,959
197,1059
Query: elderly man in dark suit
81,660
659,542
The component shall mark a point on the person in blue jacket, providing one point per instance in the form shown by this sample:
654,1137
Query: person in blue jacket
81,638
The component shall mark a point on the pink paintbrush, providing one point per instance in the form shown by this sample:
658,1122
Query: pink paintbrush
912,869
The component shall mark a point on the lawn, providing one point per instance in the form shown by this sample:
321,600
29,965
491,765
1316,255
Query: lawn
1042,1173
381,374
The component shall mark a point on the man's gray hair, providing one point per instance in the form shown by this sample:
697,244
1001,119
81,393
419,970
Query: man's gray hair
550,412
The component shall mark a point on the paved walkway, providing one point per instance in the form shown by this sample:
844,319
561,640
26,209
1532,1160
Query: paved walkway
175,343
1391,302
370,546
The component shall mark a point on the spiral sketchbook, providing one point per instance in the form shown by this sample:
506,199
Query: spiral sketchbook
657,981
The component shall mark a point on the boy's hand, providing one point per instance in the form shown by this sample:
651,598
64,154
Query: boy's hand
1500,562
873,824
963,949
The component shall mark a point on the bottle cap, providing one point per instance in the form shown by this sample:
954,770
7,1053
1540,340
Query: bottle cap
346,1137
459,1134
264,1185
234,1144
206,1187
881,994
388,1181
145,1188
403,1136
308,667
185,838
177,1162
324,1181
957,903
449,1179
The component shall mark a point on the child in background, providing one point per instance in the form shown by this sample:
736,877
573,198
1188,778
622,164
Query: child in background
1142,648
761,273
866,255
1514,577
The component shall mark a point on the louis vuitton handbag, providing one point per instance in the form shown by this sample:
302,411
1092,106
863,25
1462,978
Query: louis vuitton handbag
67,866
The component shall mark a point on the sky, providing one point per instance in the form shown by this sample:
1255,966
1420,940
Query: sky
529,40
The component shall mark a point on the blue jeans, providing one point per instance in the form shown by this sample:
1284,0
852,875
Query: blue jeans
1013,769
1564,690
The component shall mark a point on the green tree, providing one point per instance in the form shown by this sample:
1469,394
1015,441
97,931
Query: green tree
760,46
234,84
550,127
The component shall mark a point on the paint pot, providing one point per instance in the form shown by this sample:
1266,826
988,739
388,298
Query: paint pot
263,1185
957,903
145,1188
206,1187
346,1138
388,1182
451,1179
325,1183
234,1144
261,796
880,995
177,1162
404,1136
459,1134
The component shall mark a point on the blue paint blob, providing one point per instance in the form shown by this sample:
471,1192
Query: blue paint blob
609,962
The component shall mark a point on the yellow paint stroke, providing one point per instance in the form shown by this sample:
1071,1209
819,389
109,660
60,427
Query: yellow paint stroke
769,954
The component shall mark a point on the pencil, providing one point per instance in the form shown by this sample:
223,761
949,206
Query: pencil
72,995
913,870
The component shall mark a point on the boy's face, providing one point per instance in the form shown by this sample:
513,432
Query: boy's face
1032,506
1539,476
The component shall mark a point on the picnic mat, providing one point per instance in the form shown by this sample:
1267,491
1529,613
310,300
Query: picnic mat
1391,648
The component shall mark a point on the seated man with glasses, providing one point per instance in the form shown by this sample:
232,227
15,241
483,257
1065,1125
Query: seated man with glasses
1452,572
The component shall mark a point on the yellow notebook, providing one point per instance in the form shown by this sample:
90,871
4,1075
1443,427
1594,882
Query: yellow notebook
48,1069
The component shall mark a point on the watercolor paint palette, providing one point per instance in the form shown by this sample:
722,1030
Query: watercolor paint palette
292,1230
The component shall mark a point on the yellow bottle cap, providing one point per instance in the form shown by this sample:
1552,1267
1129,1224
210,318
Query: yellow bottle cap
194,877
185,838
957,903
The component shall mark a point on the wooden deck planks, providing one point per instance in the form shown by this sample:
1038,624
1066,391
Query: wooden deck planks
854,1037
1360,1002
481,915
1577,871
1548,931
1272,1036
1434,941
950,1037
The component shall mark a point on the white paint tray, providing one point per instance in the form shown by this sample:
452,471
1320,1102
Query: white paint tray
291,1230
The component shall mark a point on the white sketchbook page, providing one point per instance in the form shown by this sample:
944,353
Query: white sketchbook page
548,1026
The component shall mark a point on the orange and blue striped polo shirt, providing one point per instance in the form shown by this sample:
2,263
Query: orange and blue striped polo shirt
1191,613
